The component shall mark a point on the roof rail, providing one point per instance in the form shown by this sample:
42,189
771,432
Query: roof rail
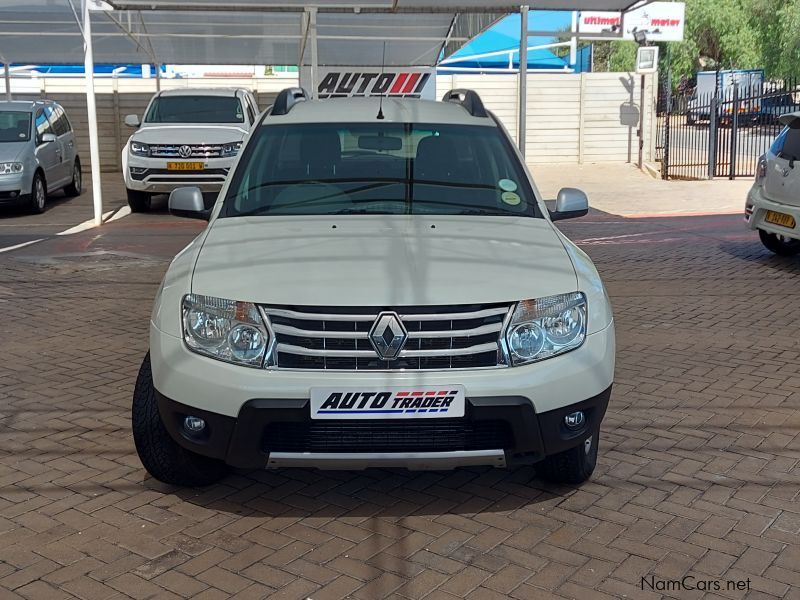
468,99
286,99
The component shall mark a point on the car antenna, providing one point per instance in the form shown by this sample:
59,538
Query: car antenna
383,68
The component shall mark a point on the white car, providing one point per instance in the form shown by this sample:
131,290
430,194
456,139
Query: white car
773,203
380,284
187,137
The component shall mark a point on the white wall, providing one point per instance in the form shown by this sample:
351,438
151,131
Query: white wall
571,118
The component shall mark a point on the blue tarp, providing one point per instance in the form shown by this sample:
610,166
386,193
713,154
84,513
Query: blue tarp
504,36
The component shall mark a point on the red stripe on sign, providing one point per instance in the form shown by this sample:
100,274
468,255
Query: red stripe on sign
398,83
444,393
402,393
417,393
431,394
410,84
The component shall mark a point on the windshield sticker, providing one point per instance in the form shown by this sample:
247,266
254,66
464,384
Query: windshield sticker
507,185
510,198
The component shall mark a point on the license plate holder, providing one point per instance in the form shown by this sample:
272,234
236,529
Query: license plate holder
185,166
779,218
388,402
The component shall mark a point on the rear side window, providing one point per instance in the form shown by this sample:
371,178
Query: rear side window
787,144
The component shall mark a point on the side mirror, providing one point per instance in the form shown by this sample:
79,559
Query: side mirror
132,120
188,202
570,204
48,138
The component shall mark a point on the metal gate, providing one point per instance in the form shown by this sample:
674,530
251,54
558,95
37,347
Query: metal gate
720,135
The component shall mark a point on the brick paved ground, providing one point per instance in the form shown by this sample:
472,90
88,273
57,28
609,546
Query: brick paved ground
698,469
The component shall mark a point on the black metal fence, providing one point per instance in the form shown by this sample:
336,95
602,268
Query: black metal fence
720,134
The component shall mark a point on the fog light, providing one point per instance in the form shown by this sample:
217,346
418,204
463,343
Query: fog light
194,425
13,194
574,421
138,170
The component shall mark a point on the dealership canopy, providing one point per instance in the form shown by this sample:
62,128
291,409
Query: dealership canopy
322,32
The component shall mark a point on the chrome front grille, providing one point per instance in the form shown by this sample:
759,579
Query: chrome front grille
198,150
439,337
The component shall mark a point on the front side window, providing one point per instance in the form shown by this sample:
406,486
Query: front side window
195,109
42,125
15,126
391,168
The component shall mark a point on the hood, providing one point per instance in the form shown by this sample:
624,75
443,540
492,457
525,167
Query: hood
190,134
391,260
10,151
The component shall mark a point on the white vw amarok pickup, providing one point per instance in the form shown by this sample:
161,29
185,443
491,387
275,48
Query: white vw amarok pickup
187,137
380,284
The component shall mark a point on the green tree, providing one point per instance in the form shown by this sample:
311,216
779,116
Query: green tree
777,27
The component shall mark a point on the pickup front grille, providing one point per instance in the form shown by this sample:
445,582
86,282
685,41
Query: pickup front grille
398,435
198,150
439,337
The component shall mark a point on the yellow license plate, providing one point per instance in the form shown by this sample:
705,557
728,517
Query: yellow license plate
185,166
778,218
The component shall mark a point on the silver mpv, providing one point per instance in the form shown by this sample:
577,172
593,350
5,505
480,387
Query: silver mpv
38,154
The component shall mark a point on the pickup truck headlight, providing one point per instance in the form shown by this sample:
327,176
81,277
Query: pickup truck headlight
546,327
8,168
224,329
140,149
231,149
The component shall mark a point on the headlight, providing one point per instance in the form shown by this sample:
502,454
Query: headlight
546,327
224,329
10,167
140,149
231,149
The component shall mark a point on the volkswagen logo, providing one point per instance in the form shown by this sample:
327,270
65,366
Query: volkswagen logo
185,151
388,335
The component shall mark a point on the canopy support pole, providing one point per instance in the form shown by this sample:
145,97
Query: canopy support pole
91,108
158,77
7,73
312,31
523,78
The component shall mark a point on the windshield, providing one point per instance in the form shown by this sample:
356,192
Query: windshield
15,126
381,168
195,109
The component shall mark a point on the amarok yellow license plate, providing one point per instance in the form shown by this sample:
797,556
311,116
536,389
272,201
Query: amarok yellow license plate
185,166
779,218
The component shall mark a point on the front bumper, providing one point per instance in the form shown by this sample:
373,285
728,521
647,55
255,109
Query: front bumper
275,433
14,187
153,175
756,212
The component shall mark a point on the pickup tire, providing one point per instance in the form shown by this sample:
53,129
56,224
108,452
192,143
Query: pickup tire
138,201
162,456
573,466
780,245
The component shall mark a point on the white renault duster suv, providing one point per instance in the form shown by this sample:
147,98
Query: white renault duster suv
187,137
380,284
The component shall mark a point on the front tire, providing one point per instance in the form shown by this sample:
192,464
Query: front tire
779,244
162,456
138,201
75,186
572,466
38,197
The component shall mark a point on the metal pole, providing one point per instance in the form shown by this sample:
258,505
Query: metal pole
641,121
523,77
312,31
8,81
734,130
158,77
91,108
573,42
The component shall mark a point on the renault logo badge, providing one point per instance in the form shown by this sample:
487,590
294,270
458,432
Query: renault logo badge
388,335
